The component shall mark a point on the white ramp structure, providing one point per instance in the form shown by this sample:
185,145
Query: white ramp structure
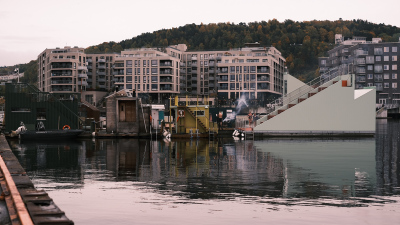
329,107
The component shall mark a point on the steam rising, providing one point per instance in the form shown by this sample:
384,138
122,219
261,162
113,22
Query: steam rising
240,104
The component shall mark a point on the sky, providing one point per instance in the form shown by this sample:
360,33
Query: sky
30,26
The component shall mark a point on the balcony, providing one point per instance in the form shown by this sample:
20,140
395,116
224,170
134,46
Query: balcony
61,81
182,64
82,67
211,64
61,74
101,73
194,78
211,78
168,64
360,61
211,70
89,67
194,57
360,52
82,75
194,71
83,83
58,89
101,60
165,87
262,78
101,67
166,72
89,60
102,86
262,70
166,80
101,79
183,71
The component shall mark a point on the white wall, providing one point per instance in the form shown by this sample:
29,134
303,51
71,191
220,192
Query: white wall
333,109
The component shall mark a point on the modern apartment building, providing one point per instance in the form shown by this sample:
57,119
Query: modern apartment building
253,71
374,63
150,72
100,71
62,70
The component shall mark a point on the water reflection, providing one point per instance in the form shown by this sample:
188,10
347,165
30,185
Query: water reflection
283,171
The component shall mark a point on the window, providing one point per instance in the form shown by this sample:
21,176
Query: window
129,86
385,76
370,67
232,87
129,79
154,79
232,68
385,67
232,77
394,67
386,58
385,85
153,70
370,76
252,69
386,49
144,80
370,59
394,49
394,58
378,59
154,87
394,85
128,71
378,51
394,75
129,63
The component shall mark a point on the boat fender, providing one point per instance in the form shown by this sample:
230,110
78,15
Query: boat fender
66,127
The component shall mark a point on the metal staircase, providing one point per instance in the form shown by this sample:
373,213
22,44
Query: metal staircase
297,96
198,121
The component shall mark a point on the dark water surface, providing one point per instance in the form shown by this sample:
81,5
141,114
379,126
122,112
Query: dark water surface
278,181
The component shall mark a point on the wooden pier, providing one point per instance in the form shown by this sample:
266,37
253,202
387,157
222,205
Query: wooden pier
25,204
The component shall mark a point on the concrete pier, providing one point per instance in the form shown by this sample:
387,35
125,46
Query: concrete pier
23,203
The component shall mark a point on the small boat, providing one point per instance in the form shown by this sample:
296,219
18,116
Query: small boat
41,134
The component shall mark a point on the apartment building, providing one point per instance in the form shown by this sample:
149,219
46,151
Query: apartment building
62,70
374,63
100,71
253,71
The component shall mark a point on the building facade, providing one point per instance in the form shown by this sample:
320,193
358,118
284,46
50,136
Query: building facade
62,70
374,63
156,74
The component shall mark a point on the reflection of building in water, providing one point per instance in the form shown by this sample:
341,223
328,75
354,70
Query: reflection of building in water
388,158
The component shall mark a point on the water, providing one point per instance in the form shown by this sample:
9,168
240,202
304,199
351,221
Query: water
279,181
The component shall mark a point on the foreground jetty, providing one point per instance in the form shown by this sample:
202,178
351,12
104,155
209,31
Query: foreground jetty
19,199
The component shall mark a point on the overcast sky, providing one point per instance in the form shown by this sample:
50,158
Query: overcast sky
27,27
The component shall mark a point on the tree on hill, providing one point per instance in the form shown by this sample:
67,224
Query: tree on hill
300,42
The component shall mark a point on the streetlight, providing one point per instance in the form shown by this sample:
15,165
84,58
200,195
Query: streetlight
16,70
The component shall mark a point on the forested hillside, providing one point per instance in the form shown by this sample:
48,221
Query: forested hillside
301,43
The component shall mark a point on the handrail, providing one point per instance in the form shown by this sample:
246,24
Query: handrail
303,90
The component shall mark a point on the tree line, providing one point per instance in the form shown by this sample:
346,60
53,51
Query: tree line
301,43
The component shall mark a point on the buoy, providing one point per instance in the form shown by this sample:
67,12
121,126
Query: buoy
66,127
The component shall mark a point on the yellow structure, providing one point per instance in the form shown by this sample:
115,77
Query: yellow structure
192,117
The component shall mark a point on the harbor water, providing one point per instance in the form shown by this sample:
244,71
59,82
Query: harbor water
225,181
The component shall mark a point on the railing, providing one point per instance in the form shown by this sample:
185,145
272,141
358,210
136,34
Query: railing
300,92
